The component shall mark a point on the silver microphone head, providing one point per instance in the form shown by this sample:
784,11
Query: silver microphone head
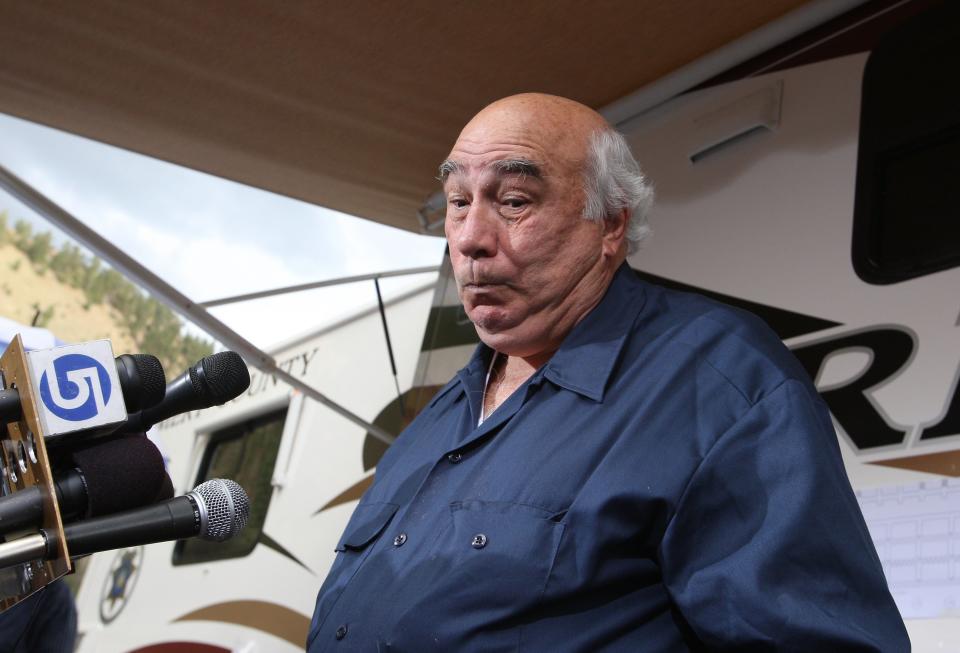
224,508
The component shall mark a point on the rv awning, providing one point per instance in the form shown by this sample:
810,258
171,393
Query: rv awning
349,105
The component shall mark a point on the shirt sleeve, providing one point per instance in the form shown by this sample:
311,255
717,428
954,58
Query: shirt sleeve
768,550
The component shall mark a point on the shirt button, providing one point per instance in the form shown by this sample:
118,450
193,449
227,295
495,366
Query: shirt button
341,632
455,457
400,539
479,541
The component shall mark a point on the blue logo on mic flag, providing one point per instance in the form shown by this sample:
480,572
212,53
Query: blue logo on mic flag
75,387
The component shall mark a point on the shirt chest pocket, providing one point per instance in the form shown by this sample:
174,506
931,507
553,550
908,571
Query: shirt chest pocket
506,551
366,524
490,565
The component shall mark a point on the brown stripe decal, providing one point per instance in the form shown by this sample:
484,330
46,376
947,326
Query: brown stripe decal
271,618
181,647
945,463
352,493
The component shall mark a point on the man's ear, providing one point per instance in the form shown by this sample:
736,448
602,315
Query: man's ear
615,233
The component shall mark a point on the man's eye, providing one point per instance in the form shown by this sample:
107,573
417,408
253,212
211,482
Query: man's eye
457,202
515,202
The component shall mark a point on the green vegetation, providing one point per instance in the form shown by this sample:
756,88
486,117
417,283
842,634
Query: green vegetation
153,326
42,316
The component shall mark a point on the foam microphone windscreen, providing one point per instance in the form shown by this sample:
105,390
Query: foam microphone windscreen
166,490
142,380
220,377
120,473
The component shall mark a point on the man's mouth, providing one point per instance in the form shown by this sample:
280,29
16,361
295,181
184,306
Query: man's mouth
481,293
484,287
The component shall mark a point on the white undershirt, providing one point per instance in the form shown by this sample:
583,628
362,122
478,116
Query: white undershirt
483,397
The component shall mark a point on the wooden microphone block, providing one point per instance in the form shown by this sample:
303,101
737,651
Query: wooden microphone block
24,463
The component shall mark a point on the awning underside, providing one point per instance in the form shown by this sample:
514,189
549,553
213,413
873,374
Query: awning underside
343,104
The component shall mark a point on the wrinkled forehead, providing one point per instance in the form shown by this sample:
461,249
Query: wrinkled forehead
512,143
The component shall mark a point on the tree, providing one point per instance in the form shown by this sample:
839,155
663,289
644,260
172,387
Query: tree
90,275
39,249
69,265
22,235
193,349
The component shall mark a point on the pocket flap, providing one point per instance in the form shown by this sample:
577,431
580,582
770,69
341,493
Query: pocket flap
366,523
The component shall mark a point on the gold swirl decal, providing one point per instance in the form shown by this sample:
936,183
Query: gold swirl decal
271,618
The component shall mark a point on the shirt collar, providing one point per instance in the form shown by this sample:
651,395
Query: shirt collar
586,358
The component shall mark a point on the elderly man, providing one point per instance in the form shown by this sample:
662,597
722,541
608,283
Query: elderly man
619,467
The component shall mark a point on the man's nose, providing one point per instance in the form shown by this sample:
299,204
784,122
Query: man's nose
476,236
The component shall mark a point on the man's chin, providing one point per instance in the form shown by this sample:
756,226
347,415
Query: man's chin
491,320
501,336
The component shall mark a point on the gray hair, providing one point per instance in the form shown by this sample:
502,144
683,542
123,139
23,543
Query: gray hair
613,181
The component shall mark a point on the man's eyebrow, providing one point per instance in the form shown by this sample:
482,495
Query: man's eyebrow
449,167
523,167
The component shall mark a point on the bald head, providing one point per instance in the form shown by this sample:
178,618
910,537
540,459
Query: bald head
545,103
559,129
557,121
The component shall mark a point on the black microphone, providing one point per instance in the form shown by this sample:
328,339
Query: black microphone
142,382
212,381
215,510
106,476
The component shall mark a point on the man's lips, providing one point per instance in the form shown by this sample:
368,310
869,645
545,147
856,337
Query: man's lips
484,292
484,288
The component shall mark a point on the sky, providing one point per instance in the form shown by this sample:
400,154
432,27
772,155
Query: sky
210,237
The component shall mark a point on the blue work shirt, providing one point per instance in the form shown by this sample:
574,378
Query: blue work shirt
670,480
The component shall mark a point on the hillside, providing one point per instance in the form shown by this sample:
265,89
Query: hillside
78,298
24,291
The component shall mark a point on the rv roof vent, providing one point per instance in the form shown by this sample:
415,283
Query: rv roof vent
748,115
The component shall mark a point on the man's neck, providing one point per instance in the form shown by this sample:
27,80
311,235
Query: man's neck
506,375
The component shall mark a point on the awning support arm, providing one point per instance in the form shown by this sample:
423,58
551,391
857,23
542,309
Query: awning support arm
316,284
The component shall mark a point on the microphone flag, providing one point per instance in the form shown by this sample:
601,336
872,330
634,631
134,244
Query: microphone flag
78,387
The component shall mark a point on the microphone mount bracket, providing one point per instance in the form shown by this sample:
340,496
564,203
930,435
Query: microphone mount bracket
24,464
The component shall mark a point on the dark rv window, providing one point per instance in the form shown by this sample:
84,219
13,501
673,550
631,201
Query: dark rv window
246,453
907,211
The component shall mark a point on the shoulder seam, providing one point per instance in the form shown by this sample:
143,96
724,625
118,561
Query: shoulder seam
720,437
